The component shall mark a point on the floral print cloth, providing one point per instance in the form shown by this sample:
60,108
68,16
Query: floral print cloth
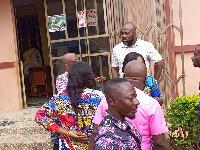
152,87
61,82
60,107
112,135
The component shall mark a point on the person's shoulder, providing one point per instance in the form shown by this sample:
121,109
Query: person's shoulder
61,95
93,91
143,43
61,75
118,46
92,96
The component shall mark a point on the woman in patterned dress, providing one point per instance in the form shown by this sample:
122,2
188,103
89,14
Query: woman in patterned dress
75,108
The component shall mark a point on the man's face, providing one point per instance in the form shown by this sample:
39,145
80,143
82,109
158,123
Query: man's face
128,36
126,102
196,57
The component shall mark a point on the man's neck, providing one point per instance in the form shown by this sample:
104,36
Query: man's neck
115,114
133,43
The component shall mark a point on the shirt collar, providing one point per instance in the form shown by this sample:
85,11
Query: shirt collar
117,122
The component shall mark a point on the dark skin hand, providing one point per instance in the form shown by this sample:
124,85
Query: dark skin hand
91,142
100,79
160,142
115,72
74,135
158,69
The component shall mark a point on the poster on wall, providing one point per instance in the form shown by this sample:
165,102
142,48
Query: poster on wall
81,18
57,23
91,18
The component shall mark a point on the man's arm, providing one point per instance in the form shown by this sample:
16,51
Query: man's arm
158,126
115,72
158,69
160,100
160,142
92,137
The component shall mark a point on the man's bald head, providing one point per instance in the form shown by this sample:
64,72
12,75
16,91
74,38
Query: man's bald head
68,59
129,26
136,73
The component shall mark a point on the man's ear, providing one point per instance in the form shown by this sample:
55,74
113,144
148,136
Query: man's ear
112,101
66,66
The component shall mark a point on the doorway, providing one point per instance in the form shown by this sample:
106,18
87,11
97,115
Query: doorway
30,54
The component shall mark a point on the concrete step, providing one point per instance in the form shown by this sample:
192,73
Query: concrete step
25,133
26,142
23,128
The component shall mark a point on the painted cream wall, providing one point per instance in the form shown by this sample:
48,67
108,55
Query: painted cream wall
10,88
191,21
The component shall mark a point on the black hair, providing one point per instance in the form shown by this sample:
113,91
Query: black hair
131,56
80,76
112,86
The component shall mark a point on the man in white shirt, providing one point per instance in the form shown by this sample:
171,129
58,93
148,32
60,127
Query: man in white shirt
130,43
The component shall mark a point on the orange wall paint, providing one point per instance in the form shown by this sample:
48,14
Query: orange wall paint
10,89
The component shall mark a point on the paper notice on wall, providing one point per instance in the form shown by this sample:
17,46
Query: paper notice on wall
91,18
81,18
57,23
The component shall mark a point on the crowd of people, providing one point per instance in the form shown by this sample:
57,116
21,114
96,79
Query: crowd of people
126,115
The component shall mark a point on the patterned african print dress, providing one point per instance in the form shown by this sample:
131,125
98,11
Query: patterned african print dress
60,106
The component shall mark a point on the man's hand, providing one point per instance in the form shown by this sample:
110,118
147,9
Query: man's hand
100,79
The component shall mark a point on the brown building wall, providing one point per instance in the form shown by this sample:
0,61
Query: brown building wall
10,88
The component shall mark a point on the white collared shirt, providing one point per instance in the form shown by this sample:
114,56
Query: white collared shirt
144,48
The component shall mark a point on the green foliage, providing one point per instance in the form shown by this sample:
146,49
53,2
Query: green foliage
183,115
